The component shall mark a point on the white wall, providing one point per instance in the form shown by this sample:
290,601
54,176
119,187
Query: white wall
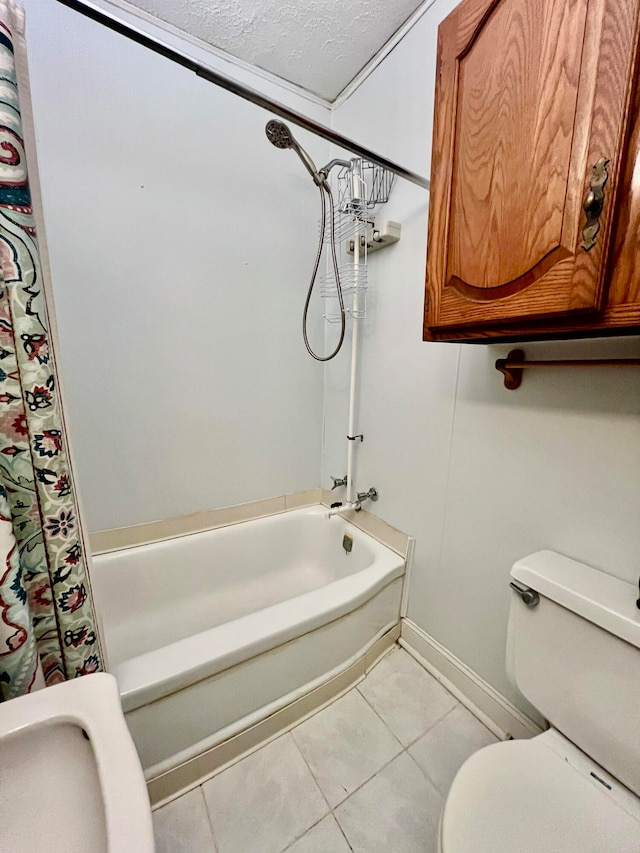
181,244
479,475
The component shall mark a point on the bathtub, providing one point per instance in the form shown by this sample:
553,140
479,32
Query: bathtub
211,632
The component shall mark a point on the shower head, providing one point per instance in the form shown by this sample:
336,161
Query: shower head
279,135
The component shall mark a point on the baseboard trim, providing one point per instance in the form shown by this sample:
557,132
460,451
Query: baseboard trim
492,708
178,780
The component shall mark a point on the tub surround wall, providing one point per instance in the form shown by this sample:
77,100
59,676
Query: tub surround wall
181,244
479,475
105,541
183,525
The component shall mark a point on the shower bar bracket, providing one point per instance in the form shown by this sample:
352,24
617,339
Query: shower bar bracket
377,238
111,22
512,366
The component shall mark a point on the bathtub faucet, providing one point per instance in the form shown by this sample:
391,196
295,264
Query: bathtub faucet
338,508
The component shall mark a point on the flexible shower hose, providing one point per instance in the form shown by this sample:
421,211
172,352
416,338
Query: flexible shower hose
324,187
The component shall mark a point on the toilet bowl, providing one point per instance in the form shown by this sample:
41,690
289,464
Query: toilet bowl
71,781
573,651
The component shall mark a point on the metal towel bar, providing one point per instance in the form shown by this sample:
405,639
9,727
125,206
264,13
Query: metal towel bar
513,365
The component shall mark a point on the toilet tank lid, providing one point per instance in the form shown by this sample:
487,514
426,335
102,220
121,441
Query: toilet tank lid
604,600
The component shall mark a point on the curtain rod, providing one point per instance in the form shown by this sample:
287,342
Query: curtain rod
246,92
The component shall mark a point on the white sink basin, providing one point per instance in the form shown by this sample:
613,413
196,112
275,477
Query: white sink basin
70,778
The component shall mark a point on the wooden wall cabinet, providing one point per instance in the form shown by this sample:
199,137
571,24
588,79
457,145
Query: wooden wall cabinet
534,217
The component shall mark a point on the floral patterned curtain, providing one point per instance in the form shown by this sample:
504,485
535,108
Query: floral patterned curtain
47,624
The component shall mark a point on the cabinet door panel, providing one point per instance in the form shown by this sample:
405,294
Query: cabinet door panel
513,141
530,94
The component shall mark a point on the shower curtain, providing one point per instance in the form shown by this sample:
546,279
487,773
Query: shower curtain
47,624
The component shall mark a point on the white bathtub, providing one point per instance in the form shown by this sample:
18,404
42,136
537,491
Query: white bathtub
210,632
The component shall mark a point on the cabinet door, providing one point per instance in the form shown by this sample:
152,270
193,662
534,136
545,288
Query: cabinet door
530,96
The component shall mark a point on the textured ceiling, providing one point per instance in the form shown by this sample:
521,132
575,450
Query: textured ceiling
320,45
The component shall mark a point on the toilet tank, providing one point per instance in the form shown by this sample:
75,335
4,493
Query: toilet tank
575,655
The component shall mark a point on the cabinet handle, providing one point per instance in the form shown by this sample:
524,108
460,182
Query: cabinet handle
594,202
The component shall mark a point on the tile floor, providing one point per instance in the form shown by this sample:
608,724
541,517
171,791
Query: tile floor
366,774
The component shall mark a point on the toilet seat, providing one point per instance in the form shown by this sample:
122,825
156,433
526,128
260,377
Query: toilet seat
525,796
70,743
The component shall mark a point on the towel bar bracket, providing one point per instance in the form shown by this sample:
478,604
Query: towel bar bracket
513,365
509,368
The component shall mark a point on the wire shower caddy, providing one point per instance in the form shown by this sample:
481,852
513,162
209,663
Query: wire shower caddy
362,186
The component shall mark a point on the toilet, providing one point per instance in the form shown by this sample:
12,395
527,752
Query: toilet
573,650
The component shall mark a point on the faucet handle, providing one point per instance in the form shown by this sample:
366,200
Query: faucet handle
339,481
372,494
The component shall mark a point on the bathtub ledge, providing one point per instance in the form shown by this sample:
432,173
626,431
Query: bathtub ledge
151,676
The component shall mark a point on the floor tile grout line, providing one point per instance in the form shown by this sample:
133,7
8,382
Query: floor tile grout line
384,722
351,793
377,773
309,828
209,818
429,676
432,727
428,729
324,817
399,743
355,791
330,813
426,775
405,750
342,832
333,808
300,837
313,776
